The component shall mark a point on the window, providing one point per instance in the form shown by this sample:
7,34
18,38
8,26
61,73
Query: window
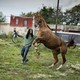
25,23
17,21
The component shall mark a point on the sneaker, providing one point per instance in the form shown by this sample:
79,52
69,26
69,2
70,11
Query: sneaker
26,60
22,62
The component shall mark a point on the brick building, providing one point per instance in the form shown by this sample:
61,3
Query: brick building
18,21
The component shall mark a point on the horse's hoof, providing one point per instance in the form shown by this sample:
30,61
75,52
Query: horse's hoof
37,56
51,65
59,67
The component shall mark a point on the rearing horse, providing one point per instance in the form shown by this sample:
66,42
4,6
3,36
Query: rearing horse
49,39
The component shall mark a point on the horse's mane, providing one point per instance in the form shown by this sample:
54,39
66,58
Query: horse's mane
45,22
49,27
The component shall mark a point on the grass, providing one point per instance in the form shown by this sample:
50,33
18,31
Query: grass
36,68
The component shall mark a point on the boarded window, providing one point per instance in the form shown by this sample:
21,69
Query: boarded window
17,21
25,23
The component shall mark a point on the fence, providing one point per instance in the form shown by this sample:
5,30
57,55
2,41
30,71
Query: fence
67,35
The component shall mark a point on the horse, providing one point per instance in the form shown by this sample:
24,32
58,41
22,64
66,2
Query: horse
50,40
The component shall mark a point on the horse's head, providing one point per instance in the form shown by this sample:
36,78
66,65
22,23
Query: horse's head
37,19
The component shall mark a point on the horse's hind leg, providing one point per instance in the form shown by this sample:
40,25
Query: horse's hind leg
63,53
64,58
55,56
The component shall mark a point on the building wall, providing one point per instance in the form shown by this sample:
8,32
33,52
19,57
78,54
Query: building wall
21,21
6,28
20,27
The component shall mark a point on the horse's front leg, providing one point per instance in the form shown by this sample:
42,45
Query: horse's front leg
36,44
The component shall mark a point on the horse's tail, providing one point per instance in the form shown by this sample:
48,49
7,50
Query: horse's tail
71,42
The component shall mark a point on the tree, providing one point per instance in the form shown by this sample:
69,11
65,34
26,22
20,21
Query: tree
29,14
72,16
2,17
23,14
49,15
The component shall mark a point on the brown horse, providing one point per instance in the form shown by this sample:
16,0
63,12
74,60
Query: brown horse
49,39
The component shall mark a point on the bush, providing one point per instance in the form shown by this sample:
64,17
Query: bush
3,36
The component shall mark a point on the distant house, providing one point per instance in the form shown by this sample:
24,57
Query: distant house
18,21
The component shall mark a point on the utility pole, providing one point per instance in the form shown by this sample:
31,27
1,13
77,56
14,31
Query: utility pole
57,15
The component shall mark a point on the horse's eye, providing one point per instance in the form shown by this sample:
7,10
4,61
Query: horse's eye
37,21
40,22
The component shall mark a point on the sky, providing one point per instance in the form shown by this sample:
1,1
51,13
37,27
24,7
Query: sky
15,7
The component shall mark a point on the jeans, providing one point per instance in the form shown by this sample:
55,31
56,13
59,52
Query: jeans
24,52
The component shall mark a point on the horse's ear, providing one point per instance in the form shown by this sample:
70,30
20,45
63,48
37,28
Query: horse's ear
40,21
34,14
38,14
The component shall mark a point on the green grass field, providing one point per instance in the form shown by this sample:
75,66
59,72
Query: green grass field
36,68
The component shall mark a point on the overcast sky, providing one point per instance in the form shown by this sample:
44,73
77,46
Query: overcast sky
15,7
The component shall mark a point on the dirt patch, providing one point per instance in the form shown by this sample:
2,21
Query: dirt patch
66,70
38,75
76,67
